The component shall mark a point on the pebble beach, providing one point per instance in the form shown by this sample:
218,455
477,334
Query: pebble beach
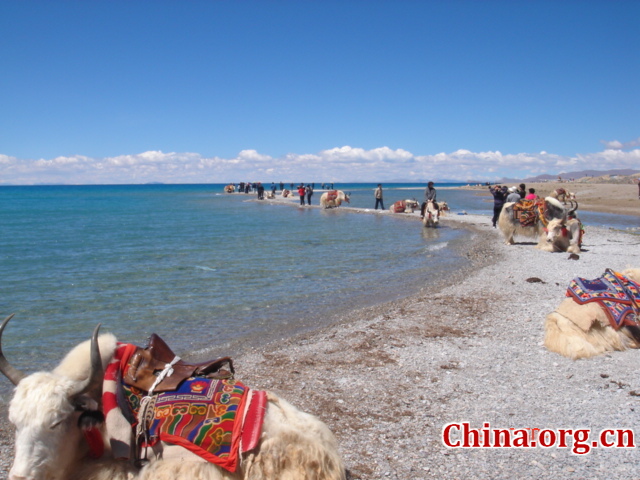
466,348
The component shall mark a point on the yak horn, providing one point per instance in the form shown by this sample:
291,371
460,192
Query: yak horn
573,212
10,372
93,384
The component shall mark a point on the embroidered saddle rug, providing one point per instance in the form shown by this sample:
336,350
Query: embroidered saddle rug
399,206
617,295
217,419
528,212
332,195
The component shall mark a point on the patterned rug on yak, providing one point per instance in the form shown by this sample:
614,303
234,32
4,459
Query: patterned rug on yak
618,295
529,211
217,419
332,195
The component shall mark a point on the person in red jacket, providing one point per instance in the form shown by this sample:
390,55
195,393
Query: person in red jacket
301,192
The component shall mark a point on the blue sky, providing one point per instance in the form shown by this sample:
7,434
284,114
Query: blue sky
217,91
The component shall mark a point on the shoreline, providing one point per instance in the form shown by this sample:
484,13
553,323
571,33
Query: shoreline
455,365
447,362
612,198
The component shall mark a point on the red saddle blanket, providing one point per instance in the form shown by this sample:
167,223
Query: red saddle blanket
215,419
399,206
617,295
332,194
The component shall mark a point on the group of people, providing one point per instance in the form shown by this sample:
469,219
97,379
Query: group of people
429,196
502,194
305,192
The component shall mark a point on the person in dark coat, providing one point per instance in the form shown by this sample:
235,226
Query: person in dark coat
499,196
522,190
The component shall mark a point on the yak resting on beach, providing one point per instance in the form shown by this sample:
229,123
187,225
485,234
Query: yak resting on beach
333,198
194,421
600,315
404,206
562,235
532,219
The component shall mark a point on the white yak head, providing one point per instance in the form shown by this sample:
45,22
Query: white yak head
46,407
555,228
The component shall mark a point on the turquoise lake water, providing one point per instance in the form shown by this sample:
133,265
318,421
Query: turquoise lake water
204,270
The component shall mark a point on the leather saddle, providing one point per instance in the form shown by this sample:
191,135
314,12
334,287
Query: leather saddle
146,364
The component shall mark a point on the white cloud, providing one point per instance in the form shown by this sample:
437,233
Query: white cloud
253,156
617,145
340,164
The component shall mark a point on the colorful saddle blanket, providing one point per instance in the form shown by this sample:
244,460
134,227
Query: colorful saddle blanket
528,212
399,206
216,419
618,295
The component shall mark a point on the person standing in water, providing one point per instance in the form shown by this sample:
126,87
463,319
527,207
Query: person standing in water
378,195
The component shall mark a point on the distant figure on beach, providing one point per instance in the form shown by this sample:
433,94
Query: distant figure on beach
513,196
532,194
260,189
302,191
638,179
378,195
309,192
522,190
499,196
429,196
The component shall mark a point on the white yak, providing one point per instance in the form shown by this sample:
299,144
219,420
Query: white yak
584,330
52,411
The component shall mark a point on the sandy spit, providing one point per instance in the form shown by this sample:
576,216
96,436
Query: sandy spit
387,379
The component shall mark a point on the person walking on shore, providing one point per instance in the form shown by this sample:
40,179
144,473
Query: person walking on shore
499,196
378,195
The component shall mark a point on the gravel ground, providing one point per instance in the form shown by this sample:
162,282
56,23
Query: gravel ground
387,379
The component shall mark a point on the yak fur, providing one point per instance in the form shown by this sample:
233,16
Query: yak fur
510,226
583,331
561,235
327,202
49,443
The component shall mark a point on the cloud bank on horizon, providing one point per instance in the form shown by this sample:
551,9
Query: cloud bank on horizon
341,164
